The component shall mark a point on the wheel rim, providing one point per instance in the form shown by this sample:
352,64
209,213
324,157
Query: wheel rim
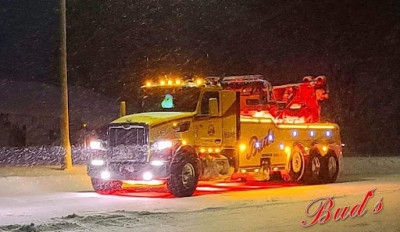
332,166
296,162
188,175
315,166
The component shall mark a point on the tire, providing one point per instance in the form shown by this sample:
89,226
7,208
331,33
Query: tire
330,168
296,164
313,173
184,175
100,185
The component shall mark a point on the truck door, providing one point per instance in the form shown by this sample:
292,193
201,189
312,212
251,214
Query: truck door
208,129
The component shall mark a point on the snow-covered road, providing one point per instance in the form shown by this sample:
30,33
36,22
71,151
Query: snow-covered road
56,201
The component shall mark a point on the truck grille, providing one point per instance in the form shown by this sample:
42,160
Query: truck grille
128,143
127,135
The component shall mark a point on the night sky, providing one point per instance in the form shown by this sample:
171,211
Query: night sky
114,45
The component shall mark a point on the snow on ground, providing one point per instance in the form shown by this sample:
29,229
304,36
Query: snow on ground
57,200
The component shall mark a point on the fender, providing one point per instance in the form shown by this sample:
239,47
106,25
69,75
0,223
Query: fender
188,149
334,148
325,149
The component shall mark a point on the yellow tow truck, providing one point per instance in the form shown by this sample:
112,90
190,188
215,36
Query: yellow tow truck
236,127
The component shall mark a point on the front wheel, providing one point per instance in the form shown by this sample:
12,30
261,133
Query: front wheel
184,176
100,185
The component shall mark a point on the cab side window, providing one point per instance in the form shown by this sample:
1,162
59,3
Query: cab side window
205,101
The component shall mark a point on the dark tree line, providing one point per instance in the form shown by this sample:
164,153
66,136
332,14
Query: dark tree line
113,46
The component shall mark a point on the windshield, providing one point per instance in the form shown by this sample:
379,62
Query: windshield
174,99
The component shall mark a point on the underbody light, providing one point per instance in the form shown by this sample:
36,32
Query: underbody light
144,182
105,175
217,150
148,84
147,176
202,150
184,142
211,189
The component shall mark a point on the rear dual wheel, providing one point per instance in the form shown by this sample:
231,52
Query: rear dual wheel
314,168
304,169
330,168
321,169
313,172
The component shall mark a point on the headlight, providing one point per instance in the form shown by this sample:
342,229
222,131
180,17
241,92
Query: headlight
95,144
162,144
157,162
97,162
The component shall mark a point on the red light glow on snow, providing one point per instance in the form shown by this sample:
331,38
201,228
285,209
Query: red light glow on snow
203,188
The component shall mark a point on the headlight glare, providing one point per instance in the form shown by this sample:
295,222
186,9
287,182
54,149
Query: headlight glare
95,144
162,144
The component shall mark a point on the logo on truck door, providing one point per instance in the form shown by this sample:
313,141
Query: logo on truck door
211,130
255,145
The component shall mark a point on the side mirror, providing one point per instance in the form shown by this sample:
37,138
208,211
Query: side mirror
182,126
213,107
